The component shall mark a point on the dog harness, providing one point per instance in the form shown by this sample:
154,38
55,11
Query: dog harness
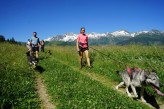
130,71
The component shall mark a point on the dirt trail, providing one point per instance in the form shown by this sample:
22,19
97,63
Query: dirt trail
44,97
162,106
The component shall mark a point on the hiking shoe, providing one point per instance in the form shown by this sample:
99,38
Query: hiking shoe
80,67
89,67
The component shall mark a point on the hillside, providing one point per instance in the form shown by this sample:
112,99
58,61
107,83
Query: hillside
145,39
17,81
95,88
70,87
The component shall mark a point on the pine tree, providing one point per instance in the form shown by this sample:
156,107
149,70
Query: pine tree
2,38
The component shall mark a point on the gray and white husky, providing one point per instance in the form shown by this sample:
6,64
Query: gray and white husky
139,78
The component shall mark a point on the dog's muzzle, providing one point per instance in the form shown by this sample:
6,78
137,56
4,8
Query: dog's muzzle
34,64
157,90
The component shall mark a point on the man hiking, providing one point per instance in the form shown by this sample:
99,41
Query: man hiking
35,45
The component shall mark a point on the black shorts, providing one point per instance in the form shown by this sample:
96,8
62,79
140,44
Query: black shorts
35,48
83,49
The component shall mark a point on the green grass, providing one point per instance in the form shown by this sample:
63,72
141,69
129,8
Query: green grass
17,85
119,57
71,89
63,78
67,85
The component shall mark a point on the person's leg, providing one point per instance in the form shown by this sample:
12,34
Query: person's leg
37,54
43,48
81,57
32,51
87,57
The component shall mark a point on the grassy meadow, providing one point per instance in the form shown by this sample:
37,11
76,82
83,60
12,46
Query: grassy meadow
17,81
94,88
70,87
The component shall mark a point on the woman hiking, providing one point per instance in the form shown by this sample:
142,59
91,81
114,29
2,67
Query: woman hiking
82,46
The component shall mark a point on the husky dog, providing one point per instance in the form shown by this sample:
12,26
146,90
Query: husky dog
139,78
32,61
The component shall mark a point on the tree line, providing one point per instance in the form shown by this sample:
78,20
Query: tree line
11,40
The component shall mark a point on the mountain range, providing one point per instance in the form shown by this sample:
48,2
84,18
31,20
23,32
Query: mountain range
120,37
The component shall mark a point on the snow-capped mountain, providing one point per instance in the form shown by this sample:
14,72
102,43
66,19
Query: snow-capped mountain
121,33
48,39
69,37
55,38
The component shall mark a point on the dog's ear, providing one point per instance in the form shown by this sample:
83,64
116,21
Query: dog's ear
146,73
154,71
117,72
146,70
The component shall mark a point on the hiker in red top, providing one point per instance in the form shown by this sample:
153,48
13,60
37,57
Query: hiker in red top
82,46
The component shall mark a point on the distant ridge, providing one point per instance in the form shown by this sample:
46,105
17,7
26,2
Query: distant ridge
120,37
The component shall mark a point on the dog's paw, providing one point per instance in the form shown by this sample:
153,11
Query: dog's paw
116,87
143,100
135,96
130,95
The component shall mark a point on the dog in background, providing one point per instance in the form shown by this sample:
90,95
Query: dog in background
32,61
133,77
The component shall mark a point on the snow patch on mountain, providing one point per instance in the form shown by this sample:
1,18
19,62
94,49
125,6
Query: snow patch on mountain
121,33
48,39
69,37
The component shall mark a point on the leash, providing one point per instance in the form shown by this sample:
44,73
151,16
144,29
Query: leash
107,55
99,51
121,63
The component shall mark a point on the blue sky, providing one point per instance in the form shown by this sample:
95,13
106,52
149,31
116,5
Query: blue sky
20,18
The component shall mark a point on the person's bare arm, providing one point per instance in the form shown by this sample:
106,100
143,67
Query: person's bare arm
77,44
